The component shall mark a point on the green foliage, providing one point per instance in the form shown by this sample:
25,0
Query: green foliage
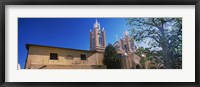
165,33
142,61
111,58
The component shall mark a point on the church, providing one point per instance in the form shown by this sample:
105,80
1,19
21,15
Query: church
50,57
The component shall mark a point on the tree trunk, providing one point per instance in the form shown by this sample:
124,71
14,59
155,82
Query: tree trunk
165,48
167,56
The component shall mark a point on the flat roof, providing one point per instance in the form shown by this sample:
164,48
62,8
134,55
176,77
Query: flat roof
27,47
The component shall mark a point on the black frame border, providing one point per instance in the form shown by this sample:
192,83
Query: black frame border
98,2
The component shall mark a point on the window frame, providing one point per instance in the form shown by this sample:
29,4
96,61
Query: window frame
54,55
83,55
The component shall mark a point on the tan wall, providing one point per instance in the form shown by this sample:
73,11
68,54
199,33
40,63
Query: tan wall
69,66
130,61
136,60
39,56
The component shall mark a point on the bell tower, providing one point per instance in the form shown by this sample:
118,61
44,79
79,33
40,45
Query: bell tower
127,42
97,38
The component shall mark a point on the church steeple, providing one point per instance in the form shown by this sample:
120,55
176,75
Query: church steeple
97,25
97,38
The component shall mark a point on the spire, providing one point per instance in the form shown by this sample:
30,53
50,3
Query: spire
103,29
96,21
97,24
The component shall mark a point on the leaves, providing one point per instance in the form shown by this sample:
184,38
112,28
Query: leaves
165,33
111,58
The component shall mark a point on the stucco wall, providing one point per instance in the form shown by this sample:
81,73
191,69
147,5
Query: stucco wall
39,56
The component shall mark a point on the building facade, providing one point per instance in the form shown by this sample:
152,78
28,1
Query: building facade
48,57
126,50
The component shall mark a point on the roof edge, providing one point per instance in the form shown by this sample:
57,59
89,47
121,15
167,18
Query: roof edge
28,45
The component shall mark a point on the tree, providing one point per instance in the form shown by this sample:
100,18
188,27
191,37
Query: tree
165,33
146,55
111,58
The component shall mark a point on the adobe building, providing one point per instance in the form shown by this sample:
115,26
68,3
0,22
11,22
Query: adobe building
48,57
126,50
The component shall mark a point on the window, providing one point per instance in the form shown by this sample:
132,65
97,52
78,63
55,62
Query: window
125,46
83,57
100,40
53,56
93,42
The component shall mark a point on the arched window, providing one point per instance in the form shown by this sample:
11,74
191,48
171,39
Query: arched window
100,40
93,42
125,46
138,67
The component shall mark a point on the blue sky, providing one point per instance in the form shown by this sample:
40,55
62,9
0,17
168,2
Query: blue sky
64,32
